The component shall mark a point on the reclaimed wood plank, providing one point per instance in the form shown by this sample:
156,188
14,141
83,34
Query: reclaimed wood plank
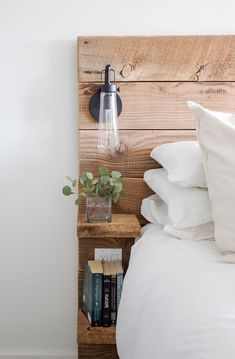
94,351
160,105
94,335
124,225
133,158
158,58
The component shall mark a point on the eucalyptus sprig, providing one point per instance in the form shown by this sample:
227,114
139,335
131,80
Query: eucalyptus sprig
109,184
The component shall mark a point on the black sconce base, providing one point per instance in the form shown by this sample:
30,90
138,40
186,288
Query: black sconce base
94,105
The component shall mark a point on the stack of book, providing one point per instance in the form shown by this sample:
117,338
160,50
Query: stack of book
102,290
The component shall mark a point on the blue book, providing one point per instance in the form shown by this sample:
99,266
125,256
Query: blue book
119,270
92,292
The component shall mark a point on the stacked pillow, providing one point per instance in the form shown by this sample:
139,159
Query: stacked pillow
216,136
181,202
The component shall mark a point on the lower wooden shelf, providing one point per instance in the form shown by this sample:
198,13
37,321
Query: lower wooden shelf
94,335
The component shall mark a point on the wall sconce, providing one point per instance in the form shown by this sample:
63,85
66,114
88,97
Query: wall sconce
105,106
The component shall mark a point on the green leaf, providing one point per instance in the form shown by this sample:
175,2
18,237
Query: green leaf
105,185
123,194
67,190
89,175
88,189
83,177
74,183
118,186
112,181
116,174
103,171
77,201
115,197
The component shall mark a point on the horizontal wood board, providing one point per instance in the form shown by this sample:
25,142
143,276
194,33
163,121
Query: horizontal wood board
158,58
160,105
94,351
134,155
126,225
91,335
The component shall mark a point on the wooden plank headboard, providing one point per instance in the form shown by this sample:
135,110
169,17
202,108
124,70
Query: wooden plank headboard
156,76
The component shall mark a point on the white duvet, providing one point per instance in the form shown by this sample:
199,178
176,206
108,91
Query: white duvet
178,301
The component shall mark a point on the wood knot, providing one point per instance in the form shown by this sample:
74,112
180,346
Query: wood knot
200,70
126,70
89,89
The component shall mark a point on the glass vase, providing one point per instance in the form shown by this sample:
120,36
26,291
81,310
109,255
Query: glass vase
98,209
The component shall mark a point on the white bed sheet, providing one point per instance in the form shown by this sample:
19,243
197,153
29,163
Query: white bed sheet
178,300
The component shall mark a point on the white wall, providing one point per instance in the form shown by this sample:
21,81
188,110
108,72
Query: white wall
38,131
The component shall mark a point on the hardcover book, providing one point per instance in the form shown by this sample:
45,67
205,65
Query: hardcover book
92,292
119,270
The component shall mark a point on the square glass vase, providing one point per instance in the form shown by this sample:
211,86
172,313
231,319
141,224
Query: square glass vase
98,209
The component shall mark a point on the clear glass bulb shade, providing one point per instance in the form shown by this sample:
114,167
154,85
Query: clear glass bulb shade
108,130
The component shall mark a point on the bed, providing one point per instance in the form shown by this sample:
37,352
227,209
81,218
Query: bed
178,300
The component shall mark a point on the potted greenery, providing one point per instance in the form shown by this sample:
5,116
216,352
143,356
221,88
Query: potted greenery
98,193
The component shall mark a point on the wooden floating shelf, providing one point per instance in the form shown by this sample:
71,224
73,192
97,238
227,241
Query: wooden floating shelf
94,335
122,226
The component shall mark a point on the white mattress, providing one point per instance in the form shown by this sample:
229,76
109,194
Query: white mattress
178,301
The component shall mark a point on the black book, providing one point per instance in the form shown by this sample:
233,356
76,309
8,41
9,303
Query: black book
106,307
113,273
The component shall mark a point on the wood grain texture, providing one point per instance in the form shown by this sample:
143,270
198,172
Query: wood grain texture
93,351
136,190
123,226
134,155
94,335
158,58
160,105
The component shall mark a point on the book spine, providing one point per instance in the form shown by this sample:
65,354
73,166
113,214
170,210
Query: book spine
119,288
96,317
106,313
113,298
87,293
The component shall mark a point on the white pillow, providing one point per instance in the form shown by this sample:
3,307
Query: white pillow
154,210
205,231
187,207
216,135
183,162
